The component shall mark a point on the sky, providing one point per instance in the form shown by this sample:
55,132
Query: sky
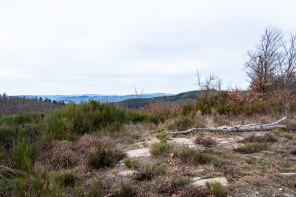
110,47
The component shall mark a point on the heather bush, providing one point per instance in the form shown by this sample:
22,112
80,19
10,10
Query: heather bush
146,172
192,156
60,154
167,186
160,148
205,141
126,191
216,189
97,190
191,190
250,147
182,181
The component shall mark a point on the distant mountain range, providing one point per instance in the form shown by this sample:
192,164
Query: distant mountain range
87,97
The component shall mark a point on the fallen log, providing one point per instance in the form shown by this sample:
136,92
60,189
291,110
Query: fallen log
237,128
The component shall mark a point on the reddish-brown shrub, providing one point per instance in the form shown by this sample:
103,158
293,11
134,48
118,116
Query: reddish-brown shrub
205,141
167,186
259,138
192,190
60,155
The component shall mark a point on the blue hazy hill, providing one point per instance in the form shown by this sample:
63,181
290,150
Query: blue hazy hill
87,97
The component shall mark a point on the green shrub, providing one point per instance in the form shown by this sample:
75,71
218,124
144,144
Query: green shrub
8,177
160,148
252,147
182,123
288,136
20,156
160,168
126,191
101,159
97,190
216,189
130,163
192,156
182,181
67,179
162,135
73,120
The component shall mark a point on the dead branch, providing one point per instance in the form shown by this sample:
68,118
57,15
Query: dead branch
238,128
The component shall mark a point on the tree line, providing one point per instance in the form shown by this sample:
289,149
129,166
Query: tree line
10,105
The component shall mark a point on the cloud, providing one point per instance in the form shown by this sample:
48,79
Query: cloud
110,47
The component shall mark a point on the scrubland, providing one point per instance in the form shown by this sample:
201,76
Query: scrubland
97,149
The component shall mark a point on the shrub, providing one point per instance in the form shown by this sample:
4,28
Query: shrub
130,163
160,148
8,177
20,155
159,168
191,190
182,123
97,190
125,191
60,155
67,179
216,189
101,159
252,147
104,157
167,186
260,138
73,120
192,156
146,172
293,152
288,136
162,135
182,181
205,141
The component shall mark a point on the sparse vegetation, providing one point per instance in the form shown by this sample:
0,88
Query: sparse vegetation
217,189
252,147
160,148
205,141
192,156
182,181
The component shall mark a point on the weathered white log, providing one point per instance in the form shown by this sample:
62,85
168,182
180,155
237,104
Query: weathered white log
238,128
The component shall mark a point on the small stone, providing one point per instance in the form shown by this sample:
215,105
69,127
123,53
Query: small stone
256,192
280,189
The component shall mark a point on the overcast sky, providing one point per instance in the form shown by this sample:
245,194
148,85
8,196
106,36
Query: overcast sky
111,47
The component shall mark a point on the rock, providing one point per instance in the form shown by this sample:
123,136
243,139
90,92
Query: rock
183,141
199,170
195,179
288,174
202,182
142,152
127,173
256,192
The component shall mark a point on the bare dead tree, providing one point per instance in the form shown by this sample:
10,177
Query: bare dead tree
209,84
289,67
264,61
139,96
